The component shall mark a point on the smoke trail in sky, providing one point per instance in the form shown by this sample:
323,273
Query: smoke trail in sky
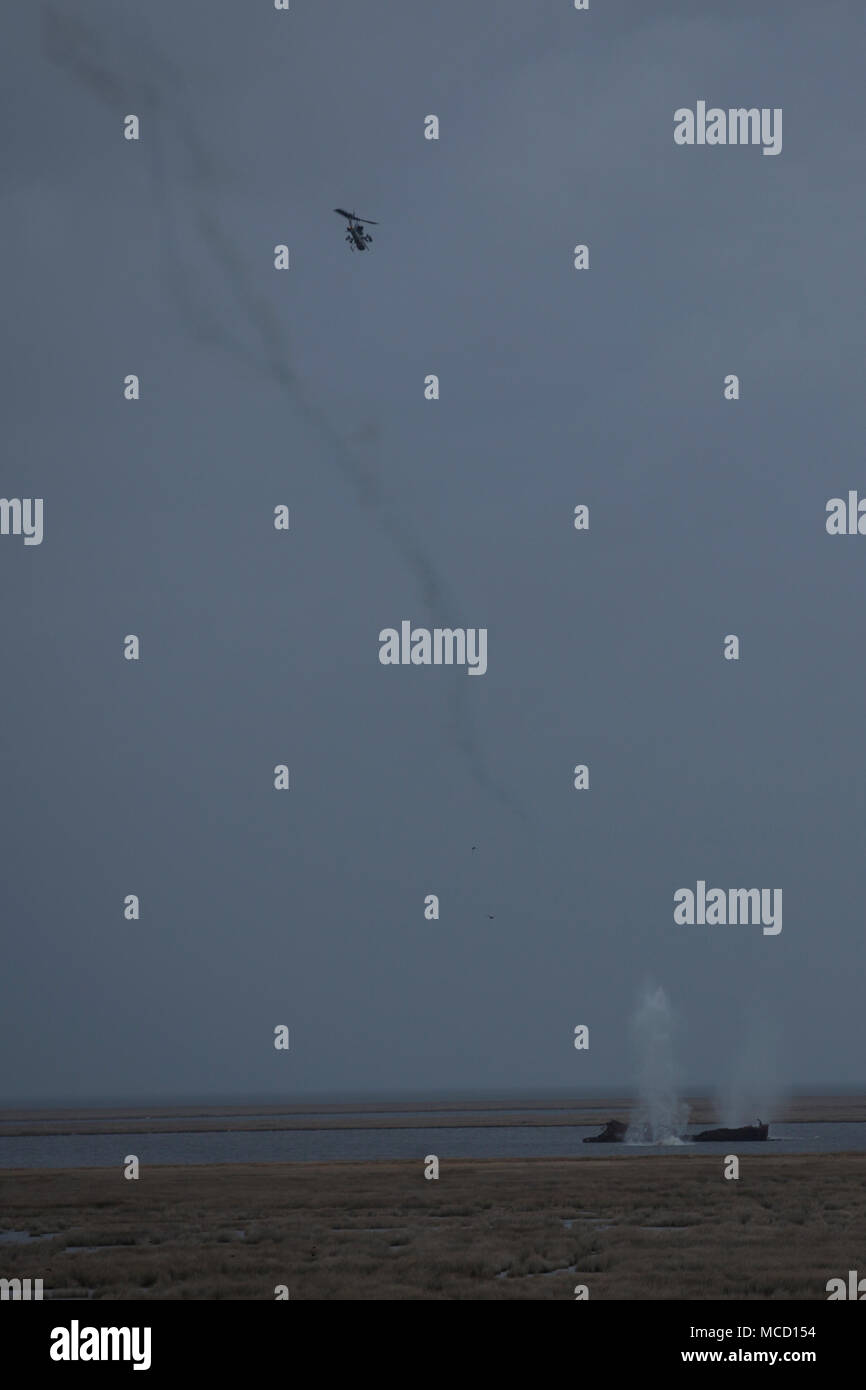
256,335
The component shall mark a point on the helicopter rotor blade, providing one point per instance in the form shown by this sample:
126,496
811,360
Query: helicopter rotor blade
343,213
368,220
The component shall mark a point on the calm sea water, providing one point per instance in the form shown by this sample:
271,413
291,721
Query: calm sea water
317,1145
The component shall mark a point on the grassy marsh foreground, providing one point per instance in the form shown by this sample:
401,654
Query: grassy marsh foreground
628,1227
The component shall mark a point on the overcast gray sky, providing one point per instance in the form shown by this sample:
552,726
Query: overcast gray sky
558,387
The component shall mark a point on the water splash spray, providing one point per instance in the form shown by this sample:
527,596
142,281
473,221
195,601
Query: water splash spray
755,1088
660,1116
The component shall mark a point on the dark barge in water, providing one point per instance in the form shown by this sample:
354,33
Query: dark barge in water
615,1131
748,1134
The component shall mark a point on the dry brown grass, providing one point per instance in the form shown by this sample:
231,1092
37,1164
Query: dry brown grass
779,1232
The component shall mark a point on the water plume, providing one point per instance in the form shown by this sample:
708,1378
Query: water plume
660,1116
754,1089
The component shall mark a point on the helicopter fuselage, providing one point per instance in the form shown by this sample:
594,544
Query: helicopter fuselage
356,235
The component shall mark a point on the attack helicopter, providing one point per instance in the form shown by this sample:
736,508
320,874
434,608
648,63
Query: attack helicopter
357,238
